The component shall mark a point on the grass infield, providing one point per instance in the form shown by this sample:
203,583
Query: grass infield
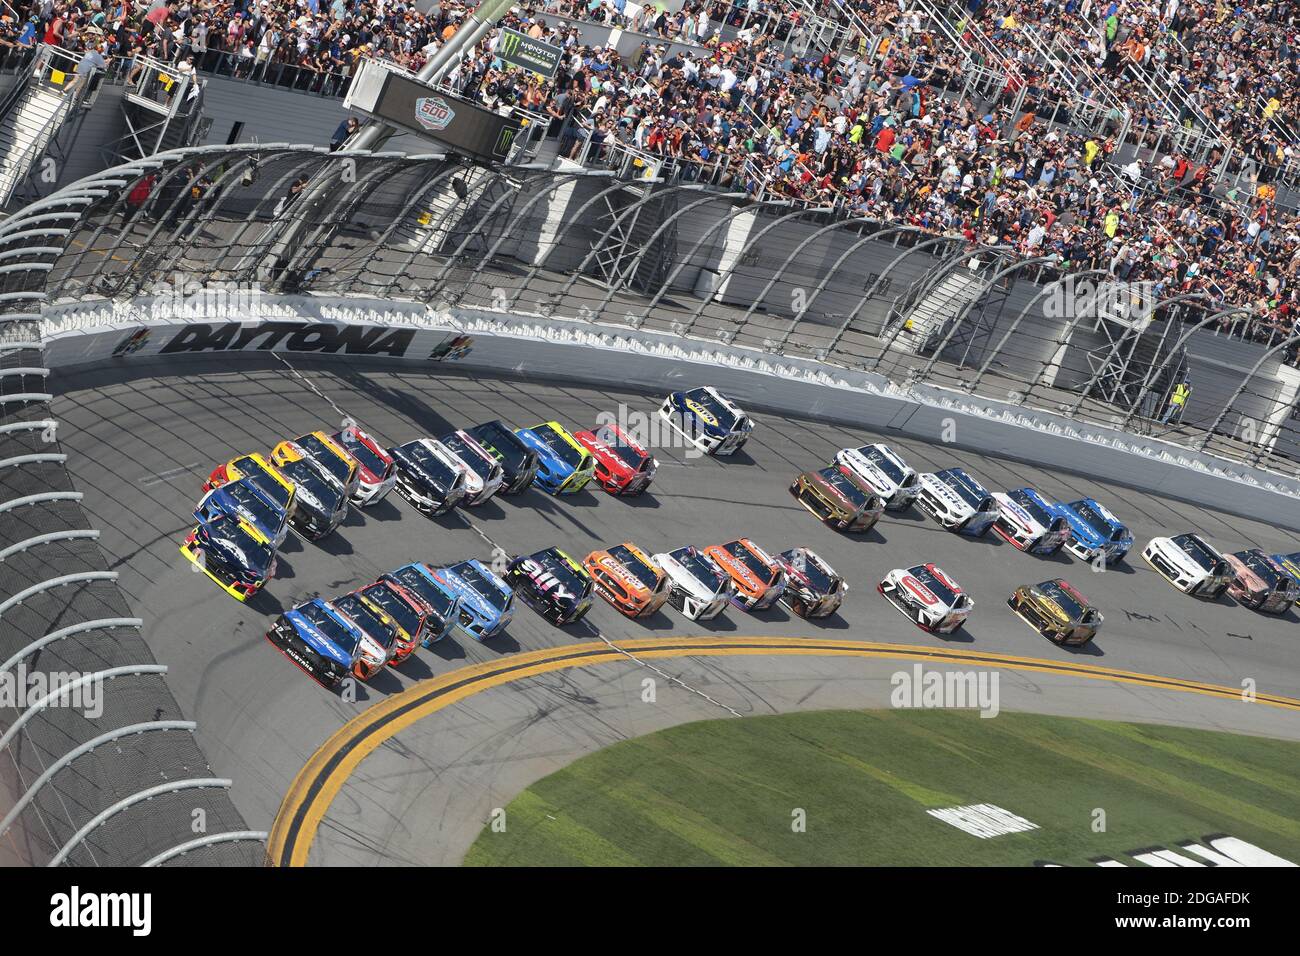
725,792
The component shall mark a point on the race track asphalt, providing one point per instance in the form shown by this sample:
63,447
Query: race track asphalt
142,437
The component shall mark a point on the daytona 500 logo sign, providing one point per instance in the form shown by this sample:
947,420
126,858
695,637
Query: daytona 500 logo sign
434,113
291,337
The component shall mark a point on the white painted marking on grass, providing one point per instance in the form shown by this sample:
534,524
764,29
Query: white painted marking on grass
983,820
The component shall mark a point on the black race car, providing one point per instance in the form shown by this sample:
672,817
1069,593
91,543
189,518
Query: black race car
552,584
428,476
320,503
518,461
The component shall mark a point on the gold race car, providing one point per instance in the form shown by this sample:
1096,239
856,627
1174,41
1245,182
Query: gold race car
1057,611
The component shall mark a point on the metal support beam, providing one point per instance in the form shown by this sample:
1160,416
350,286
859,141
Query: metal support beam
234,836
64,689
1223,412
80,577
63,633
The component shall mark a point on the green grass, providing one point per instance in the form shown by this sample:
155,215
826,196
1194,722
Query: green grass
723,792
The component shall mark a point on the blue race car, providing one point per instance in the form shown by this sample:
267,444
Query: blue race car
1290,563
232,553
486,602
711,422
318,639
432,589
563,465
1094,530
246,500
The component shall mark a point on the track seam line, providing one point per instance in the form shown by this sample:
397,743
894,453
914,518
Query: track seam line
664,674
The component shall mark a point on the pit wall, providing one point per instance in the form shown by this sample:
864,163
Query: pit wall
99,331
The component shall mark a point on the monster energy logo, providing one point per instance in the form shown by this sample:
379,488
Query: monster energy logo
522,51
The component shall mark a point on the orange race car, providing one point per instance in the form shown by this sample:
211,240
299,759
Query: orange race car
627,578
759,580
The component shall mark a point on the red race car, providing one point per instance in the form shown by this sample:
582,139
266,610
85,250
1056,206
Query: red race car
623,467
375,469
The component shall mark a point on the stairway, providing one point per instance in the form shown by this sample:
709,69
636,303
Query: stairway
926,321
26,132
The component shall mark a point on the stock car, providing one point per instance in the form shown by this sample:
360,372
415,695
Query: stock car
320,503
1190,564
957,501
1259,582
696,585
1290,563
486,602
1095,531
623,467
563,466
484,475
518,461
439,605
1057,611
378,636
334,460
376,473
881,468
552,584
428,476
835,496
318,639
628,578
405,612
261,472
812,587
1028,521
233,553
244,499
933,601
711,422
756,579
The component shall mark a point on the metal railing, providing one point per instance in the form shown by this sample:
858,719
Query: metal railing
1001,328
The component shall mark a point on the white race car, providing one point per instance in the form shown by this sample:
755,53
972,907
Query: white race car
1190,564
706,418
893,479
957,501
483,473
933,601
1030,522
697,586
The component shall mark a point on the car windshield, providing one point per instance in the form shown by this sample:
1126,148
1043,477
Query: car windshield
345,638
468,454
326,457
556,565
1036,511
1066,601
503,443
940,589
394,606
844,485
256,473
629,455
1258,562
714,408
483,585
431,464
558,444
634,565
812,570
750,560
248,499
253,554
365,618
413,579
362,452
305,475
698,565
1198,551
965,488
1092,518
878,458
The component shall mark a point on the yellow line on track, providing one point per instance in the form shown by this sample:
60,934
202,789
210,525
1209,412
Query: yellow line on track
314,788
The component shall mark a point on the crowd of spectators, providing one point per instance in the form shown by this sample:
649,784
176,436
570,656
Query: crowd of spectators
739,94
